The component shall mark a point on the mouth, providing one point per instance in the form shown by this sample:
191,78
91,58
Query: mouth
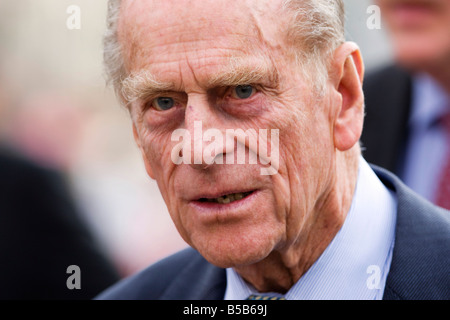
228,206
227,198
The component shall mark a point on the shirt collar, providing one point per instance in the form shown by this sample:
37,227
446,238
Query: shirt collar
429,102
361,249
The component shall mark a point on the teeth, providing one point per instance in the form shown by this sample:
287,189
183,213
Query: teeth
229,198
225,200
238,196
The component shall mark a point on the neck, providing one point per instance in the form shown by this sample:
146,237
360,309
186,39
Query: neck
279,271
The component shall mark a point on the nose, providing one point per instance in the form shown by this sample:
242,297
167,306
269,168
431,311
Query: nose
208,145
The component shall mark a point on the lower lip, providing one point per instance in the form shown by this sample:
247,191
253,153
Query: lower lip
214,207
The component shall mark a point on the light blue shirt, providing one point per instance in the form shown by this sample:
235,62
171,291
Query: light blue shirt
355,264
428,143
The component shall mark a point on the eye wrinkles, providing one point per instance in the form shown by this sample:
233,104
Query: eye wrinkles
144,85
240,92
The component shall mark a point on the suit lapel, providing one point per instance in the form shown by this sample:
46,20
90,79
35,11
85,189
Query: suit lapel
419,261
198,280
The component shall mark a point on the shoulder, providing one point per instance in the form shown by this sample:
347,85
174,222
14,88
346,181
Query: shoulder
421,257
43,188
19,172
150,282
183,275
415,208
42,232
13,163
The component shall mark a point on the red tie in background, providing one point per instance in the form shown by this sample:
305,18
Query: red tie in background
443,191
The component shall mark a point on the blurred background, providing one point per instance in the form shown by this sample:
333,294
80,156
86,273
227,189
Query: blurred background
57,110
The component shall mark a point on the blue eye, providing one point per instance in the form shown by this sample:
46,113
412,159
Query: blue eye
243,92
163,103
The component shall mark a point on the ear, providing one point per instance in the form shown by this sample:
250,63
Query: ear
148,168
347,76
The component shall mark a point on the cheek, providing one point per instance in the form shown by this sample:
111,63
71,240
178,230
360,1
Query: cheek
306,141
306,150
157,150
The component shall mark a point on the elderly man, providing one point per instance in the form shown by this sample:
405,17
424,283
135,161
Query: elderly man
322,224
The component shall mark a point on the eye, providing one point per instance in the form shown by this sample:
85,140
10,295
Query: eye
243,92
163,103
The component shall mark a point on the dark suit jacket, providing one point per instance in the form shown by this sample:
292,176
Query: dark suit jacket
420,267
388,98
41,234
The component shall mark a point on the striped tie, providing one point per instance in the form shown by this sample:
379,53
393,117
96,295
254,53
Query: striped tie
264,297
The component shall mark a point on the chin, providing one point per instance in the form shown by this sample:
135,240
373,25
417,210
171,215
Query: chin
238,250
227,259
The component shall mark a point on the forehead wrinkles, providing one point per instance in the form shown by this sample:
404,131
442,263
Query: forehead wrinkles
168,31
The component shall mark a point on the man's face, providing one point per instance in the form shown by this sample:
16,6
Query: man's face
420,30
201,58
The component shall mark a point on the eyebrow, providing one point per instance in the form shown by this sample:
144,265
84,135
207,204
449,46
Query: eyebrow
240,72
143,84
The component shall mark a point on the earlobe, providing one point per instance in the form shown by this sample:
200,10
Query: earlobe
349,73
147,165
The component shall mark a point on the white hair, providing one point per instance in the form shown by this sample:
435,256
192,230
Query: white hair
316,29
115,70
314,33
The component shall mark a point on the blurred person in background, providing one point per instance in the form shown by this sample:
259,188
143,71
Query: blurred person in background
407,125
47,127
41,230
